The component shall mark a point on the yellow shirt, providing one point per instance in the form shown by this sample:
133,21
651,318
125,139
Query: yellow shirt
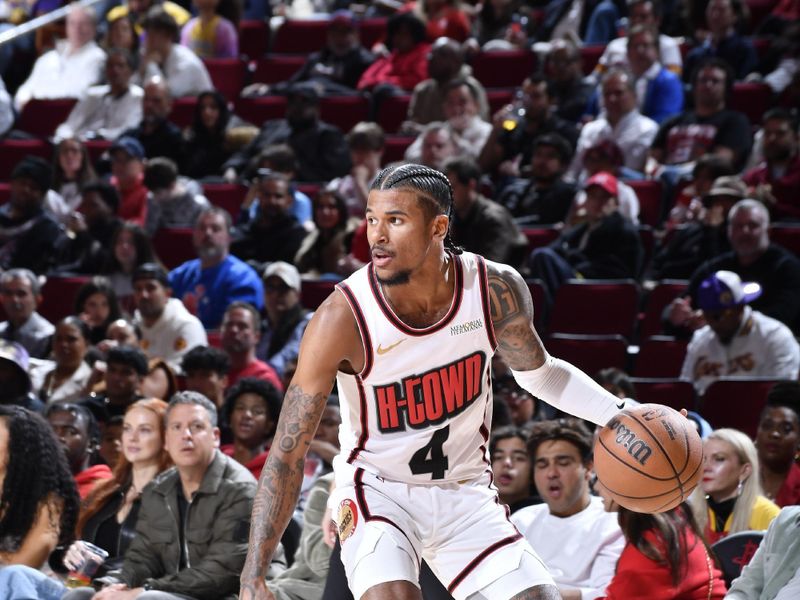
180,14
764,511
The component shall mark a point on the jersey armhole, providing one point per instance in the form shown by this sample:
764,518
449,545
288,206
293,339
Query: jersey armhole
487,313
363,330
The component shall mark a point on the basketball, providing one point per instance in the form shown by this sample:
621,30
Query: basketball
649,458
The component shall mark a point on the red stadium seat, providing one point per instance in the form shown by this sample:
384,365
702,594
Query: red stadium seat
674,393
58,296
313,292
13,151
590,56
735,403
300,36
392,111
173,245
183,111
503,68
214,339
309,189
395,148
660,356
787,236
258,110
227,75
253,38
590,353
664,293
275,68
96,148
344,111
540,236
649,195
372,31
498,99
648,239
226,195
753,99
42,117
595,307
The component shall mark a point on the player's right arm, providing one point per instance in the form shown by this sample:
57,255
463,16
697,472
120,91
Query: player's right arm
331,341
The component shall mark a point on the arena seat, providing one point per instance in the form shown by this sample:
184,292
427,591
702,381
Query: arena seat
372,31
58,296
96,148
183,111
498,99
314,291
670,392
42,117
227,75
344,111
392,111
13,151
503,68
596,307
395,148
590,353
275,68
258,110
735,402
590,56
658,298
753,99
649,194
310,189
226,195
253,38
735,551
300,36
540,236
173,245
660,356
787,236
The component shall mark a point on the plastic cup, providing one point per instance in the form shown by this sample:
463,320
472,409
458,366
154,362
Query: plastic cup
91,560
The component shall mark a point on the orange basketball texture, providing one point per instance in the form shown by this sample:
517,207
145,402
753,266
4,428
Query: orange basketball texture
649,458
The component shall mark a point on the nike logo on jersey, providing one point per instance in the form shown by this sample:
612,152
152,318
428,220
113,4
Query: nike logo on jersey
382,351
621,405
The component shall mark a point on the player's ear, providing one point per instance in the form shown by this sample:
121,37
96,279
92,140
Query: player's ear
441,223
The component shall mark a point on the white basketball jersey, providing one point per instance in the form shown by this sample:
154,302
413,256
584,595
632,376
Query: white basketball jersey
420,411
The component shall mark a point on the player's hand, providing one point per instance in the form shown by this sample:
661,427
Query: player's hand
255,589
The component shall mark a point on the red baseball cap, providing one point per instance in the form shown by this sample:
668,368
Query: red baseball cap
605,180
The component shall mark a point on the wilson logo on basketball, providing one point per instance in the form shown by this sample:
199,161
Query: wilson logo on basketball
432,397
637,448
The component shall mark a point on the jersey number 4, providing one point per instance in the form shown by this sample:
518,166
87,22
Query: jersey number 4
430,458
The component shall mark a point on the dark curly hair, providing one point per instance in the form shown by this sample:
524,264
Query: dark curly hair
36,473
271,396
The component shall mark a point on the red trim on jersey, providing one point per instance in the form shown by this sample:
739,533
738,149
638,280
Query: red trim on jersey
364,418
477,560
487,313
395,320
485,434
361,323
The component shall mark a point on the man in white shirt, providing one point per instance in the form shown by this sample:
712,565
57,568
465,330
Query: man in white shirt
737,341
107,110
184,72
6,110
573,535
168,330
71,68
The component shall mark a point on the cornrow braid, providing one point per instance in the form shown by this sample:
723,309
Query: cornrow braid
429,184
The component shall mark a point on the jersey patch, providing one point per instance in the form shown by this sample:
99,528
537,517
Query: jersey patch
420,401
348,519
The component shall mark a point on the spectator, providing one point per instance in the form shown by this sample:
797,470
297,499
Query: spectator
437,143
275,234
724,42
209,34
620,122
127,175
220,493
366,142
777,179
709,128
617,382
445,65
323,251
120,32
252,407
325,445
122,332
169,331
130,247
729,498
606,246
665,556
6,110
173,201
137,11
14,378
126,366
443,18
97,306
512,468
157,135
737,341
110,448
38,493
502,25
569,93
647,13
160,381
72,169
524,409
516,126
20,294
689,203
659,92
183,72
67,380
593,23
479,224
286,319
571,532
105,111
772,572
31,233
77,430
320,148
777,443
240,337
702,240
206,371
75,63
208,284
212,137
544,198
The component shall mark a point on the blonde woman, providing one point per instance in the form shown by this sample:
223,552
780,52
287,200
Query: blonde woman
729,497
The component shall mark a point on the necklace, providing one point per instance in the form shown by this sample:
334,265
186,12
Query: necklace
710,574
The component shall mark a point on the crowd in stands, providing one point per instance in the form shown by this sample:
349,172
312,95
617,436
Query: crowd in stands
182,183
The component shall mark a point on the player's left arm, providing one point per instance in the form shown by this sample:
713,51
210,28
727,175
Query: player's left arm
553,380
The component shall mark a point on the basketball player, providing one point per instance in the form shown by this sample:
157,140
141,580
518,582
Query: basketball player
409,340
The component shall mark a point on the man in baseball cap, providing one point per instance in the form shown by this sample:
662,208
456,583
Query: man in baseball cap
737,341
127,175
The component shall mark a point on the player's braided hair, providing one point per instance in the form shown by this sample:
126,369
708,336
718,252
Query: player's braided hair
431,186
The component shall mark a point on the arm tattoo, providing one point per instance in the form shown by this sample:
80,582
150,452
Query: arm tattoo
279,485
512,316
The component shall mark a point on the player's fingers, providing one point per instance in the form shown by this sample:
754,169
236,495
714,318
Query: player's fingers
684,412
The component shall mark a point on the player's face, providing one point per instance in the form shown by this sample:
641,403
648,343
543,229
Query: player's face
401,235
561,477
778,437
512,469
722,470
